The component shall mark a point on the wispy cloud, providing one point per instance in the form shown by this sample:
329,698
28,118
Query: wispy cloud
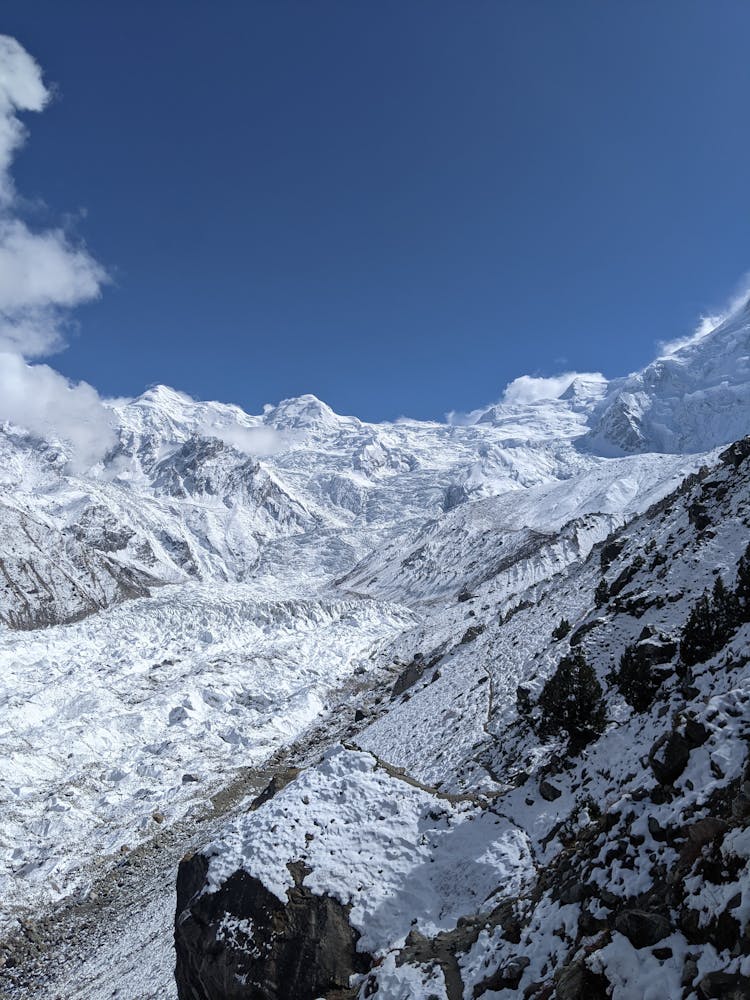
43,275
257,441
532,388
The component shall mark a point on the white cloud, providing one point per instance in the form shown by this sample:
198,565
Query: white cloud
530,388
21,89
43,401
527,389
257,441
43,275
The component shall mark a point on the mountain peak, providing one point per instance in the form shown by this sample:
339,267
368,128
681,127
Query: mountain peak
163,396
304,412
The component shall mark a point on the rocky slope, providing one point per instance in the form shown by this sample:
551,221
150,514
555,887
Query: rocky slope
464,844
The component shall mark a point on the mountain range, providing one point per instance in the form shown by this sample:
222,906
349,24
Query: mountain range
222,584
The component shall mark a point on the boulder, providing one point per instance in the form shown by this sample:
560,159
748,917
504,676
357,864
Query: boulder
242,943
548,791
724,986
577,982
668,757
407,678
641,928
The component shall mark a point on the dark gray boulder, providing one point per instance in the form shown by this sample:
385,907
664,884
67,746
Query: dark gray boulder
642,929
669,757
242,943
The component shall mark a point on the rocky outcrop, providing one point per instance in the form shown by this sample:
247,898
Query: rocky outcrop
242,942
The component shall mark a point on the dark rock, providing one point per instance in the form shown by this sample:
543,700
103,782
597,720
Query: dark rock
662,953
407,678
188,778
736,453
668,757
583,630
705,830
695,733
548,791
573,891
507,977
655,829
659,795
298,950
741,803
642,929
610,551
689,972
577,982
724,986
280,780
698,515
471,633
359,715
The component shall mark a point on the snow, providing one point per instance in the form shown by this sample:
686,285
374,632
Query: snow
101,719
399,854
213,584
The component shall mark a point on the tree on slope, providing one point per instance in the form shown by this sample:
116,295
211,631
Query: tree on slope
572,701
742,591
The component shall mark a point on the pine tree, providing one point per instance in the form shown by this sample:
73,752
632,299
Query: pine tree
572,701
742,591
636,678
561,630
601,594
698,641
725,610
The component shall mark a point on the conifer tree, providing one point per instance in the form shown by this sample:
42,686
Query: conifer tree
561,630
572,701
725,610
698,641
601,594
637,679
742,591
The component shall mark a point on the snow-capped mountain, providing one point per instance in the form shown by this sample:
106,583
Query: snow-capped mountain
685,401
205,491
222,585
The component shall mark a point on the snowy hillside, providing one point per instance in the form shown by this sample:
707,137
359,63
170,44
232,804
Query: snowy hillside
464,845
685,401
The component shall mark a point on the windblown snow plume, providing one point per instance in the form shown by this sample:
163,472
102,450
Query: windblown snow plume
708,322
43,274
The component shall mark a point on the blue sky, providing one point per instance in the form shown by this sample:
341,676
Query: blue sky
399,206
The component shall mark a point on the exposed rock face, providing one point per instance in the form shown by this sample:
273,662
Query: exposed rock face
242,942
